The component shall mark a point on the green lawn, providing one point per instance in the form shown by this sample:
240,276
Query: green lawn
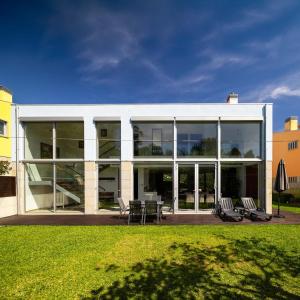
150,262
288,207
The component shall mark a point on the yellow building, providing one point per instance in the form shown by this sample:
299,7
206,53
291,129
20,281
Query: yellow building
5,123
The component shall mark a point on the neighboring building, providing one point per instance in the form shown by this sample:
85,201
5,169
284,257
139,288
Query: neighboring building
80,158
5,123
286,145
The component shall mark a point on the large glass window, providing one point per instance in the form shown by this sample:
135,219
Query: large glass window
109,139
154,182
240,139
153,139
38,187
69,186
240,180
186,187
108,186
38,140
69,140
196,139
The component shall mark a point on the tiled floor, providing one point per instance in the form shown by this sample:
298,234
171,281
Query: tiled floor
178,219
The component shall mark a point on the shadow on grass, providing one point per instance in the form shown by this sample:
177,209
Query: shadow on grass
237,269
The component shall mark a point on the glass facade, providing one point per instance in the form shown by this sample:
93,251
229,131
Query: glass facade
69,186
69,140
186,181
241,139
39,182
55,185
109,139
197,139
109,178
186,187
38,140
240,180
153,139
154,182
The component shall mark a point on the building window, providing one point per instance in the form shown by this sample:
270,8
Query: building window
153,139
3,125
241,139
109,139
40,137
292,145
109,185
240,180
67,184
293,179
197,139
154,181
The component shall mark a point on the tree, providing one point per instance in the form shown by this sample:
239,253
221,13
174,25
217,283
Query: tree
4,167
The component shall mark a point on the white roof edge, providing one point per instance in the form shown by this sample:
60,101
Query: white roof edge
242,118
141,103
52,119
197,118
107,118
137,118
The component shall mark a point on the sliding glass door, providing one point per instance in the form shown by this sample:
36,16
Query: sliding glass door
196,186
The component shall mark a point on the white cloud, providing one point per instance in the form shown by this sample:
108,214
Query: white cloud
284,91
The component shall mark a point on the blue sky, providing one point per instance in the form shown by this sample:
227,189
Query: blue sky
152,51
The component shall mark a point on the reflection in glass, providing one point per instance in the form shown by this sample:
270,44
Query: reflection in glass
38,187
206,187
109,139
38,140
69,140
240,139
240,180
186,187
153,139
70,186
154,182
108,186
197,139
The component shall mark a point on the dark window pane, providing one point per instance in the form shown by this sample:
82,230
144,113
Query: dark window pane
109,139
153,139
69,140
196,139
38,140
240,139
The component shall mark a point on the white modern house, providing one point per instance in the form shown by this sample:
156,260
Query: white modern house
81,158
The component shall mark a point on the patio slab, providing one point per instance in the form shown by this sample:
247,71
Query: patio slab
178,219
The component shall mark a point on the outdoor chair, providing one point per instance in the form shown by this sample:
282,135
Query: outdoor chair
252,211
227,210
123,208
152,210
136,211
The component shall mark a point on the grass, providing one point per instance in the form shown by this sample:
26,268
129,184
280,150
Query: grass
150,262
288,207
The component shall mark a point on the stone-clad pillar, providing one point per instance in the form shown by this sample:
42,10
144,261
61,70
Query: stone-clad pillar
90,187
126,181
269,187
21,188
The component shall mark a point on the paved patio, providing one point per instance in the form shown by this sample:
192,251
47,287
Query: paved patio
178,219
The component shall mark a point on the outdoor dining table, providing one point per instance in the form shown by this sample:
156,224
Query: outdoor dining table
159,208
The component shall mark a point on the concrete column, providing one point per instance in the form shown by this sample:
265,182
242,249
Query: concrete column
21,188
269,187
126,181
90,187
